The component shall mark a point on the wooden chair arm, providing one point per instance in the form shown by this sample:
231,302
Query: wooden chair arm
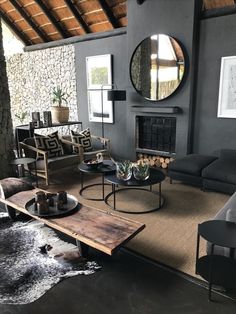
103,140
35,149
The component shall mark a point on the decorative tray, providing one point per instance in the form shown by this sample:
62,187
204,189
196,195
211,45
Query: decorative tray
72,205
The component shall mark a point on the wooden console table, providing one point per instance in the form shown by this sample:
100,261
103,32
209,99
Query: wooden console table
101,230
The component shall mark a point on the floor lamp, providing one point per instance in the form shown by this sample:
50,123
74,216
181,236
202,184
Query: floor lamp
112,95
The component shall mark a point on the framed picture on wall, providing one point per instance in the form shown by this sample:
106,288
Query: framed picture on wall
99,80
227,88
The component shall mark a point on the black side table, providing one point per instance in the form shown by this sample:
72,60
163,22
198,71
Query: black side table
217,269
25,162
106,167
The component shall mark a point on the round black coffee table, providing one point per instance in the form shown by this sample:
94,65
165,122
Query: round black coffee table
156,177
106,167
217,269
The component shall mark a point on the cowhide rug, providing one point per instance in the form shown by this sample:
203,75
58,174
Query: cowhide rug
33,259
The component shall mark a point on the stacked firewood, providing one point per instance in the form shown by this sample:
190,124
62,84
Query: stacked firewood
156,161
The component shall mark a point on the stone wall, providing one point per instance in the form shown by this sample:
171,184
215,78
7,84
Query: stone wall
32,76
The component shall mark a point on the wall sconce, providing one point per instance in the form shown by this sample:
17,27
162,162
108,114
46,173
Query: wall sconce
112,95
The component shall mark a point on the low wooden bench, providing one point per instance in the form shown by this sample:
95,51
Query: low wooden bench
95,228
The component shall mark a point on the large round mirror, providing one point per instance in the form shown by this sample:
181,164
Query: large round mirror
157,67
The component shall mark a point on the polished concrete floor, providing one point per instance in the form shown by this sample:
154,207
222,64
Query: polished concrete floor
126,284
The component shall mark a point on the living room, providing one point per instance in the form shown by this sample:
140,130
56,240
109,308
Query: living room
204,39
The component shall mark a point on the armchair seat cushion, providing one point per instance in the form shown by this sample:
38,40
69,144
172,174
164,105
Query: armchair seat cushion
58,163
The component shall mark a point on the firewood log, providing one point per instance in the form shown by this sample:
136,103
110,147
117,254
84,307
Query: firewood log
162,160
164,165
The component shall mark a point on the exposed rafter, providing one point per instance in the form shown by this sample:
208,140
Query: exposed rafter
19,34
228,10
77,15
27,18
109,13
52,19
42,21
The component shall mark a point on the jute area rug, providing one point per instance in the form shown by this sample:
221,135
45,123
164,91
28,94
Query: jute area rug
171,232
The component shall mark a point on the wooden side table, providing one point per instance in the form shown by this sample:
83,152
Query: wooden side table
217,269
25,162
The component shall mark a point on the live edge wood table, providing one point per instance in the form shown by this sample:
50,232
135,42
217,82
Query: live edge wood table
92,227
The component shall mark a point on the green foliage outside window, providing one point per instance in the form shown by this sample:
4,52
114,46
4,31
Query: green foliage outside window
99,76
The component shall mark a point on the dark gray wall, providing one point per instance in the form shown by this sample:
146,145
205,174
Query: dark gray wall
174,18
115,45
217,39
171,17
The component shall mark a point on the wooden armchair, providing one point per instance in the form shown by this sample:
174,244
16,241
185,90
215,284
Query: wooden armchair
73,155
99,145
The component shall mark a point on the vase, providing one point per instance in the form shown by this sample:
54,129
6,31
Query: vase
124,170
60,114
141,170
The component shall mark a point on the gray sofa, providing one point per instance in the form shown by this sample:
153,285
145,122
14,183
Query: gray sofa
220,175
216,173
228,213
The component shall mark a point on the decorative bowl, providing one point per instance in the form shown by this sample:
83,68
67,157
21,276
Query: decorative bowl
92,163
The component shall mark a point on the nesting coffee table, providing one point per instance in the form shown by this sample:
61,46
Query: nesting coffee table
156,177
106,167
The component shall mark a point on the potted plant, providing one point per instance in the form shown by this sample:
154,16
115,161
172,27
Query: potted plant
59,113
21,116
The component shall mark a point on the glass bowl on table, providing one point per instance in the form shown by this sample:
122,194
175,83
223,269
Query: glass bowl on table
141,170
124,170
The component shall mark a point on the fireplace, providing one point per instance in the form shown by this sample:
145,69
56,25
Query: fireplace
156,135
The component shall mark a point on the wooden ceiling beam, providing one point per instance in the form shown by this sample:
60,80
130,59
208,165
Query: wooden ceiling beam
61,30
109,14
15,30
27,18
78,16
211,13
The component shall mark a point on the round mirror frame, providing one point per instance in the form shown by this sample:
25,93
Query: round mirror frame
171,62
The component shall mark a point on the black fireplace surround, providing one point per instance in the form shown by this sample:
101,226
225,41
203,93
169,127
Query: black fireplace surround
157,134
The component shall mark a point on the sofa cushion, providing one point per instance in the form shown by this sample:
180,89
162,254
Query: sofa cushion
231,203
228,155
191,164
221,170
231,215
58,163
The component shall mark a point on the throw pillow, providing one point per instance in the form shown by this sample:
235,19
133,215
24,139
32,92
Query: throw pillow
230,216
50,143
83,138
